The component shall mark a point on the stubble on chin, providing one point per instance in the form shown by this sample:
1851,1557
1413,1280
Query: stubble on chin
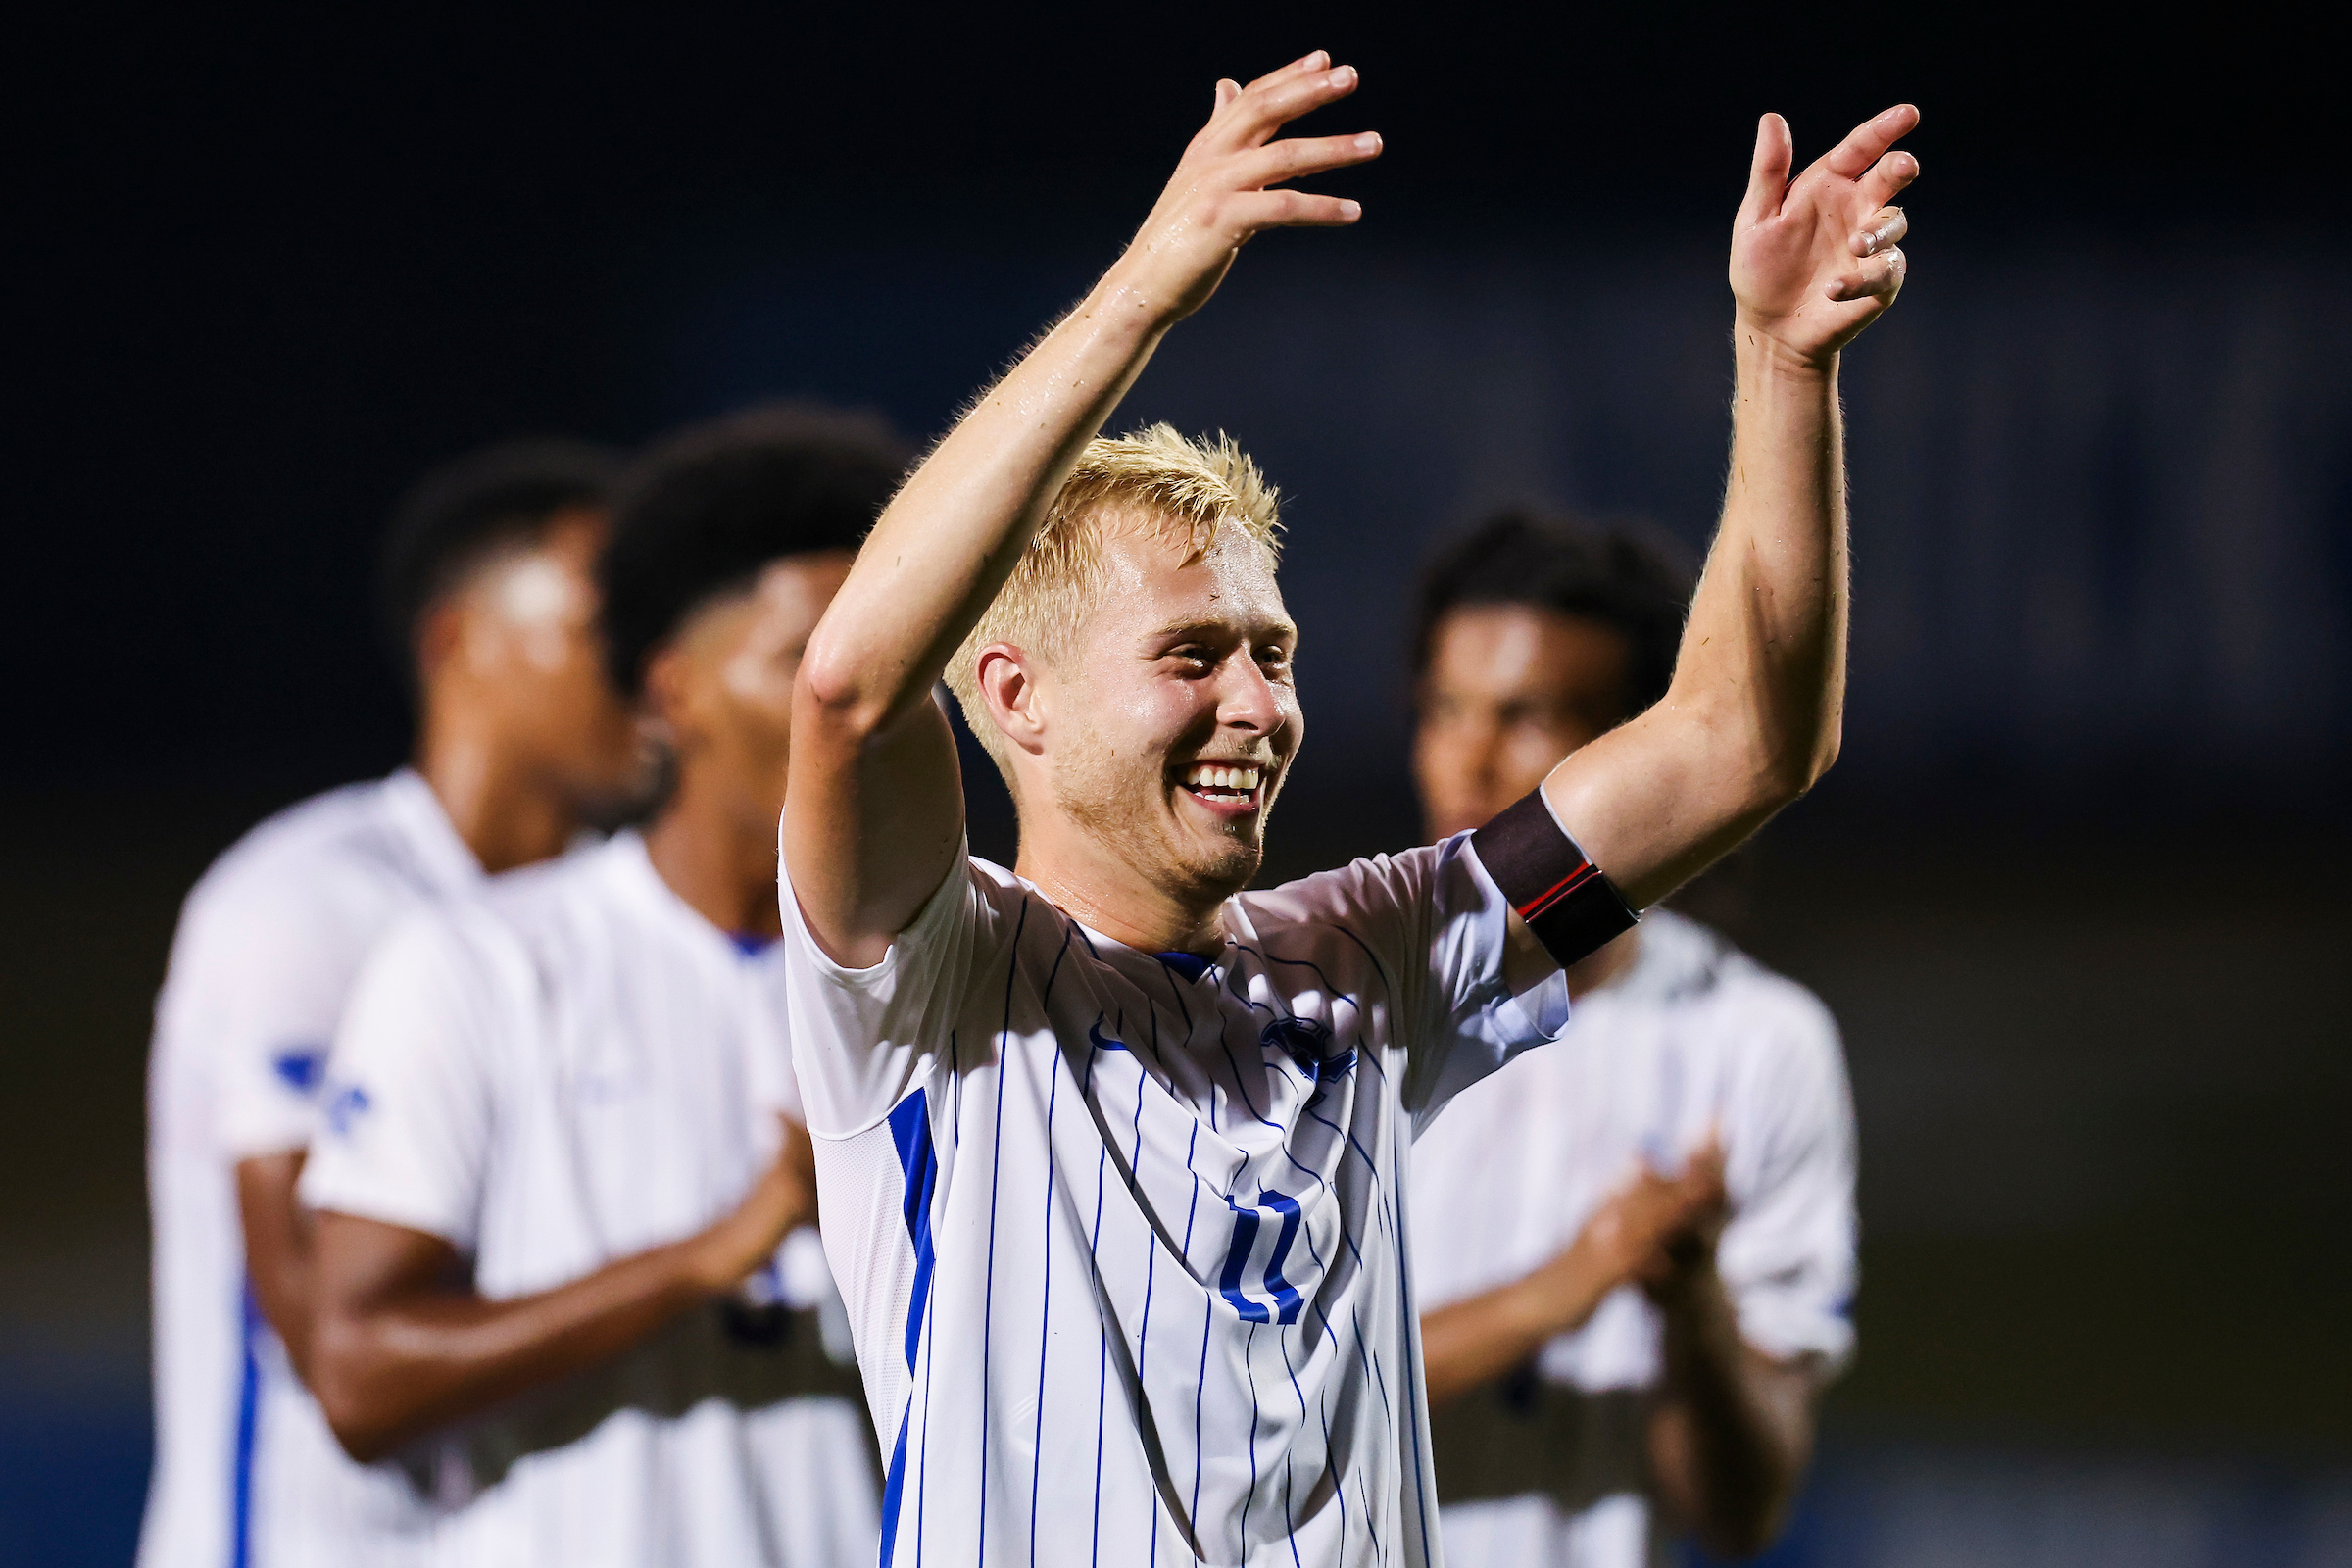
1121,803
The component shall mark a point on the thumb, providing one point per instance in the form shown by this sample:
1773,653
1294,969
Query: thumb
1767,171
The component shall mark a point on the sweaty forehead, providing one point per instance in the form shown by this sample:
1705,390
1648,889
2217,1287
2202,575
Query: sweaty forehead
1148,585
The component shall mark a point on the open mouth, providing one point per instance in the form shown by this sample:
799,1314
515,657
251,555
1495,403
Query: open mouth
1227,788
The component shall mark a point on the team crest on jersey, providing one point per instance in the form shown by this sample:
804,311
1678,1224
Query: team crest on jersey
1308,1043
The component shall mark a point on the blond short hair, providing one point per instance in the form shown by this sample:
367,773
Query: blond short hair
1155,477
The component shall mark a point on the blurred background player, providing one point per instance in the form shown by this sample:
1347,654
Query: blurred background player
553,1153
490,598
1603,1349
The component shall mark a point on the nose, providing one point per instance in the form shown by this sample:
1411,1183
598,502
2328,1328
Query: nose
1246,700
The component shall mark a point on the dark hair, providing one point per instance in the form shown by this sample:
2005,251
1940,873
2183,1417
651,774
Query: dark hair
1614,576
459,515
710,506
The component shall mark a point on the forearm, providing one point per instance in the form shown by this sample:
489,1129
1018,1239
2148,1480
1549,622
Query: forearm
1751,719
277,1248
1476,1340
1735,1429
948,541
390,1370
1766,640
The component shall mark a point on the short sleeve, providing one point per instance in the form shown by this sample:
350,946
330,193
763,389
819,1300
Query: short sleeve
407,1110
279,972
861,1038
1434,922
1787,1254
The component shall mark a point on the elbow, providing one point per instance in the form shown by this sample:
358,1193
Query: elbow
837,692
1787,771
343,1383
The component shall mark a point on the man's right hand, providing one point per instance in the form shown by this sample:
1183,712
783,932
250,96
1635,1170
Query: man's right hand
874,814
785,1200
1221,194
1630,1237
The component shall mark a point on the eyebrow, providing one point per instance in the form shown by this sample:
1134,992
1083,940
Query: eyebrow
1180,628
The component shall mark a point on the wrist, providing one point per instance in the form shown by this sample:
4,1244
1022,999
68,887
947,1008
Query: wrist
1129,300
1572,1286
1690,1288
706,1264
1761,350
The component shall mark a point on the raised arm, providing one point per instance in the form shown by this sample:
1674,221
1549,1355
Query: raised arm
873,812
1751,720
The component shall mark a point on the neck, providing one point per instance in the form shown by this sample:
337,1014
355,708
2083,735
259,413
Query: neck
1104,891
718,853
1606,965
503,814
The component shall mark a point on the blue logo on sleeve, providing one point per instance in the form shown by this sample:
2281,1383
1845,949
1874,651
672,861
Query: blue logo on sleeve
302,1068
344,1106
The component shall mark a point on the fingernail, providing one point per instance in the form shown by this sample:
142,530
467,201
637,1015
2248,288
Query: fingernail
1341,76
1352,211
1368,142
1314,59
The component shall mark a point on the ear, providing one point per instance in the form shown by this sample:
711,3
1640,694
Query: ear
440,633
669,701
1013,696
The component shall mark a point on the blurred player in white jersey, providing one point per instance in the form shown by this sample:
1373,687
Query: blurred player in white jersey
490,598
1113,1153
1610,1361
553,1179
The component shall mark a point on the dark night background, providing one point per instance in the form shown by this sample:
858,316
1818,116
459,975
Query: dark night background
2075,890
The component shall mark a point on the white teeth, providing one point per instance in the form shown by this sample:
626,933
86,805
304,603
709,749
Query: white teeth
1207,775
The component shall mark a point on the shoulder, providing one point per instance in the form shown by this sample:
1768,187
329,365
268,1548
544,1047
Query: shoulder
297,902
1777,1041
1691,968
309,859
1368,887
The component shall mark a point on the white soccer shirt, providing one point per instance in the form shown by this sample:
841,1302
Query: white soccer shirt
268,944
567,1070
1550,1471
1124,1237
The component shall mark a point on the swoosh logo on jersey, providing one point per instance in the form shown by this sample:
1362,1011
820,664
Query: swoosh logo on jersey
1103,1042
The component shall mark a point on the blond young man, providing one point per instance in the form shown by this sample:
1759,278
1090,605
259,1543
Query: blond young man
1112,1154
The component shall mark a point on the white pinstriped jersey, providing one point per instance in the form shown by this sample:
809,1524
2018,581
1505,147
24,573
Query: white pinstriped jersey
246,1472
1124,1236
1550,1471
570,1069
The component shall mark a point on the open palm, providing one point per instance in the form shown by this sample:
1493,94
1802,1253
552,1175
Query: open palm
1817,259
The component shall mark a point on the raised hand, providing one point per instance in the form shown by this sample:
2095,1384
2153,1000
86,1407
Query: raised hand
1221,193
1816,261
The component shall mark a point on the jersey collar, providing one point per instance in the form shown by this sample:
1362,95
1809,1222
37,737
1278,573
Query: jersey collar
418,815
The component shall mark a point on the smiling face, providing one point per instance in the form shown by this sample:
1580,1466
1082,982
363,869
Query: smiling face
1147,749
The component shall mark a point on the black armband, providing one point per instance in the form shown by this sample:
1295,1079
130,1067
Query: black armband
1566,902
